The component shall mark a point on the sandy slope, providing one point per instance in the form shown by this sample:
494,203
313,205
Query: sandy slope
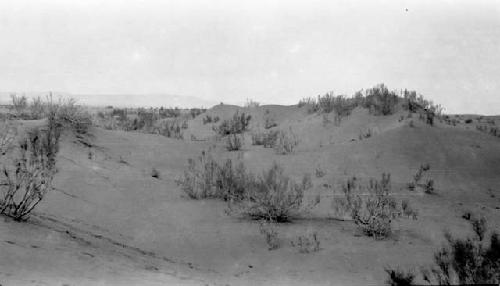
110,222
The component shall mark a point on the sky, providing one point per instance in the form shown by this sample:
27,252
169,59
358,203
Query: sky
148,52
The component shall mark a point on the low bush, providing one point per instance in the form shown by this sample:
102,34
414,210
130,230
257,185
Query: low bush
206,178
380,101
285,142
463,262
307,243
272,196
237,125
373,211
30,178
270,230
234,142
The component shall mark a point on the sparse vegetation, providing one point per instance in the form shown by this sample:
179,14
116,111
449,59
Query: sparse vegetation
29,179
237,125
234,142
270,230
285,143
272,196
464,261
373,212
307,243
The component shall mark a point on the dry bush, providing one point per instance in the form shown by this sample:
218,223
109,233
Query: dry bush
19,103
206,178
266,139
199,179
272,196
270,230
234,142
428,185
466,261
30,178
236,125
380,100
307,243
68,114
371,207
286,142
170,129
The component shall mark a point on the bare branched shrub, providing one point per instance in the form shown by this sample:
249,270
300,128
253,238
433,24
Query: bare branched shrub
19,103
286,142
68,114
30,178
371,207
380,100
237,125
270,230
408,210
206,178
307,243
234,142
466,261
199,179
272,196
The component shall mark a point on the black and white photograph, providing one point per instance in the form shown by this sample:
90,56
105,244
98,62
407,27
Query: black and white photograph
249,142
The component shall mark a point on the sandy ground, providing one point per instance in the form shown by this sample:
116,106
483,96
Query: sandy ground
108,222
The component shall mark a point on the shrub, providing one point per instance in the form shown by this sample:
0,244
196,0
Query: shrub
207,119
269,229
199,180
371,213
30,179
272,196
205,178
468,121
479,227
67,114
19,103
171,129
380,100
237,125
307,243
408,210
270,123
429,187
310,103
233,142
465,261
286,142
196,111
398,277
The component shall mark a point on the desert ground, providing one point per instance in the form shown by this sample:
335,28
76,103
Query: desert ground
117,214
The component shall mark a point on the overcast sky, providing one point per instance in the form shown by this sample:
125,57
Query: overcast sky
269,51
